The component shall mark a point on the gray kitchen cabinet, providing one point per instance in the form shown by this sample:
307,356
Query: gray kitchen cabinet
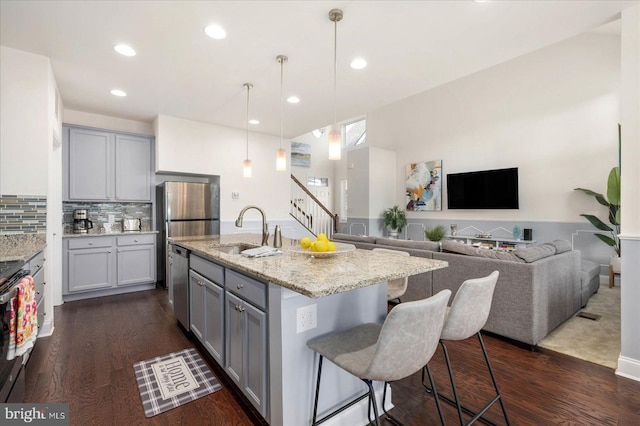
90,268
106,166
136,259
206,317
133,168
246,343
89,164
35,265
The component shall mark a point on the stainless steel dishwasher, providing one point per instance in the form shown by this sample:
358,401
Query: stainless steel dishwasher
180,284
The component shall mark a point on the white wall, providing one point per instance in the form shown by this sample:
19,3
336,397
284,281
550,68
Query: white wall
24,122
194,147
629,361
99,121
321,166
552,113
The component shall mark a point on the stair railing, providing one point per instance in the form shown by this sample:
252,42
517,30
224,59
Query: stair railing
310,212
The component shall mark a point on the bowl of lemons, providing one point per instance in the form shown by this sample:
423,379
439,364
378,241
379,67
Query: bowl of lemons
321,247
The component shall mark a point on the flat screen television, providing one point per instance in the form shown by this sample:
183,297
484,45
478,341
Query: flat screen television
486,189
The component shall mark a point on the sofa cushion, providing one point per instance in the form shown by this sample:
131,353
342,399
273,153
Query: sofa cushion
355,238
461,248
561,245
531,254
418,245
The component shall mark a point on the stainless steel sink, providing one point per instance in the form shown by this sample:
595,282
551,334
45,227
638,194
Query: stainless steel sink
233,249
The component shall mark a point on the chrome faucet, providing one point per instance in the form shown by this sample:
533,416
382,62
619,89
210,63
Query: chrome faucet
265,226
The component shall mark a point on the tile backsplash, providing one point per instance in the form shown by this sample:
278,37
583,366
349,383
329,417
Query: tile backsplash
23,214
99,214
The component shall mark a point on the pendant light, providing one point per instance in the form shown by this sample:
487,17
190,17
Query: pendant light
335,136
281,154
246,164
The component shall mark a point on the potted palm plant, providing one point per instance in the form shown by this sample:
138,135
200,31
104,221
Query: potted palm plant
394,219
612,203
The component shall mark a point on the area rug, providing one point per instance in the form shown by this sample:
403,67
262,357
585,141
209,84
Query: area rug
167,381
594,341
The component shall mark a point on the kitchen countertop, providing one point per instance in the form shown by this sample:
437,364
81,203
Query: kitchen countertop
108,234
312,277
21,246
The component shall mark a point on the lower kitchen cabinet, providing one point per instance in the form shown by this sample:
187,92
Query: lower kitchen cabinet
207,314
36,268
246,342
136,259
95,266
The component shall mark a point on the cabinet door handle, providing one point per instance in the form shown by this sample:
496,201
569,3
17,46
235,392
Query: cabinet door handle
240,286
109,251
44,283
37,292
44,313
90,243
44,259
135,241
119,251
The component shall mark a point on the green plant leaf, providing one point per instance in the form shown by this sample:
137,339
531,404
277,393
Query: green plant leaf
599,197
613,186
597,222
608,240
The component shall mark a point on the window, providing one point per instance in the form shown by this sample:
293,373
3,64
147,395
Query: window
355,133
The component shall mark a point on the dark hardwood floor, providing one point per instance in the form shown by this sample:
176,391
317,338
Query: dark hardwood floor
88,363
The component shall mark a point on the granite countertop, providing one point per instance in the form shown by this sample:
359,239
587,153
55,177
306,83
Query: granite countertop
312,277
21,246
108,234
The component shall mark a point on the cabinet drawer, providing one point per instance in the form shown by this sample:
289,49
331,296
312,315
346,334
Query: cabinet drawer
249,289
88,242
36,262
40,313
132,240
38,279
207,269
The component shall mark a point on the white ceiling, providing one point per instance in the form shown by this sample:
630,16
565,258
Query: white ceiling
410,46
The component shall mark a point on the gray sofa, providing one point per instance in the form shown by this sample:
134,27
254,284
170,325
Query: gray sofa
538,288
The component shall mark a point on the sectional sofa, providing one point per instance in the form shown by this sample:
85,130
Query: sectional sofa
539,287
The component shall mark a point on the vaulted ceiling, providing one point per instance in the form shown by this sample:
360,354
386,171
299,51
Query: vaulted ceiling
410,46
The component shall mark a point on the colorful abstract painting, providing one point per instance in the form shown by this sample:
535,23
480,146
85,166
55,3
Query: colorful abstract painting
300,154
424,186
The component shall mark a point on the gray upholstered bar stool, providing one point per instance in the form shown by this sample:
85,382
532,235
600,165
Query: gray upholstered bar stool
391,351
395,288
466,316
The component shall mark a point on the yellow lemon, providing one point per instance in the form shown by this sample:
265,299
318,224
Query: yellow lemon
321,237
331,246
305,243
313,246
321,245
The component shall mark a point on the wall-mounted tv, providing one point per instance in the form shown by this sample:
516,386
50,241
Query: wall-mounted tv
486,189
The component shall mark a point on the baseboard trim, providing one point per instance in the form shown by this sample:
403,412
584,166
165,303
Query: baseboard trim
46,330
629,368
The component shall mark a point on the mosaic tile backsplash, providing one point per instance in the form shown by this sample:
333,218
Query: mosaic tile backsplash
23,214
99,214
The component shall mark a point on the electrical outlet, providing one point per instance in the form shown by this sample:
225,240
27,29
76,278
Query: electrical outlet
235,195
306,318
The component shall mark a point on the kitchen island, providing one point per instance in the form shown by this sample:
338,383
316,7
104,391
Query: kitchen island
285,301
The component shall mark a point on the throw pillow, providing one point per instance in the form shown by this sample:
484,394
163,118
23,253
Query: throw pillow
418,245
561,246
355,238
531,254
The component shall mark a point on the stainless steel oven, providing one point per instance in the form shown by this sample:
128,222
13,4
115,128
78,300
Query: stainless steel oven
11,371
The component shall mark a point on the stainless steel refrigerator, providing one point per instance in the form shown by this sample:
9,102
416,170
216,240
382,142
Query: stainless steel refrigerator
185,209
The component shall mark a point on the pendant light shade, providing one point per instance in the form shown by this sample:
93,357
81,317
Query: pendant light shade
246,164
335,137
281,154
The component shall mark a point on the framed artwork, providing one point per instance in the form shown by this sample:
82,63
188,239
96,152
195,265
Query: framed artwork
300,154
424,186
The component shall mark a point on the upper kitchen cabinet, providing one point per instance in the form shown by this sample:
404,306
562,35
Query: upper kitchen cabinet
106,166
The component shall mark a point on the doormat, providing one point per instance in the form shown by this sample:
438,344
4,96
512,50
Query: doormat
167,381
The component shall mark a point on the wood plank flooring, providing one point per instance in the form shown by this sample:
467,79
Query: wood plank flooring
88,363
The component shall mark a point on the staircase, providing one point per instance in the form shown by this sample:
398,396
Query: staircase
310,212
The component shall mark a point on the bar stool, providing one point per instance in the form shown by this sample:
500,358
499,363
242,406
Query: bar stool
391,351
395,288
466,316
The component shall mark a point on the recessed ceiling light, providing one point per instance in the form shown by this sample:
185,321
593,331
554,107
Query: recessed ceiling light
293,99
124,49
215,31
118,92
254,121
358,64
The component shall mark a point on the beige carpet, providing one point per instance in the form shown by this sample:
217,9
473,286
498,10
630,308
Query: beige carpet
594,341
